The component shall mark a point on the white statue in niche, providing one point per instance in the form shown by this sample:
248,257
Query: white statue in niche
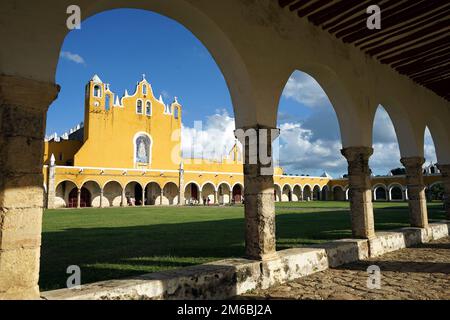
142,150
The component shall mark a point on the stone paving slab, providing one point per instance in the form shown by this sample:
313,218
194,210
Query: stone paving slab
421,272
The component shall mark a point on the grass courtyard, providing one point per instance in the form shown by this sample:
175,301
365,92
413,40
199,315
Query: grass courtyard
121,242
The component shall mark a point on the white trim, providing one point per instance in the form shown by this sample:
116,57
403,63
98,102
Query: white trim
376,186
209,182
237,183
149,183
56,187
434,183
215,173
118,169
101,90
226,183
286,184
140,133
131,181
338,186
109,181
193,182
165,184
142,106
89,180
151,108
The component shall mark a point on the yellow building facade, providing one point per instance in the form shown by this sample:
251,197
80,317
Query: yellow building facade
128,153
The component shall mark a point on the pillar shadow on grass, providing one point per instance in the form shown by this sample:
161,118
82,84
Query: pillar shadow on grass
105,253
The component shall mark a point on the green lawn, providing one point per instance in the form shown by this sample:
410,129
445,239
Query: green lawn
120,242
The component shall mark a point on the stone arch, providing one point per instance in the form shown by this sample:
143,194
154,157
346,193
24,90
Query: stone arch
95,193
410,143
153,194
277,192
325,193
62,194
133,193
351,119
297,194
237,193
208,193
380,192
339,193
435,191
317,193
286,193
112,194
440,135
192,192
396,192
223,192
307,192
170,193
207,30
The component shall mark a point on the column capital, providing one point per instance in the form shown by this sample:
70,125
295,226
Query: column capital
355,153
27,93
412,162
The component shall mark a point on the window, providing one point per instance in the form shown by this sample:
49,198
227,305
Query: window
107,102
148,109
144,89
142,149
97,91
139,107
176,113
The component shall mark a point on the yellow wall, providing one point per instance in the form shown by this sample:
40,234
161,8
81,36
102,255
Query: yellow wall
66,148
109,134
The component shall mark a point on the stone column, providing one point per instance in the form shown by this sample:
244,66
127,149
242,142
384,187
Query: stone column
143,197
445,172
161,197
79,198
259,204
216,200
51,192
23,107
123,199
231,197
181,199
101,197
416,191
360,193
200,198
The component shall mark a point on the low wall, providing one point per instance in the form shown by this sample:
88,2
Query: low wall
227,278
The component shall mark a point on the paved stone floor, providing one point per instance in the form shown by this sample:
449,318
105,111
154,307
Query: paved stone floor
418,273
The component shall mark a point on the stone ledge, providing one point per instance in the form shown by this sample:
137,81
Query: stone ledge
227,278
216,280
389,241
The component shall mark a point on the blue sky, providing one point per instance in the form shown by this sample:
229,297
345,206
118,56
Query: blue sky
121,45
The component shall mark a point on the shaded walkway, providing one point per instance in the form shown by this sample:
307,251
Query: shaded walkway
422,272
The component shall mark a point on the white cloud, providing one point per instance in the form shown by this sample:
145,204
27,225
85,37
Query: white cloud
210,139
305,90
312,144
308,147
430,151
74,57
300,153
